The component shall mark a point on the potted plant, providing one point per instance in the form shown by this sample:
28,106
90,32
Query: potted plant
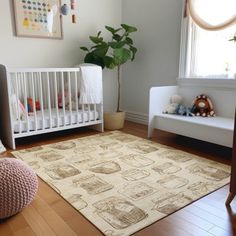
112,54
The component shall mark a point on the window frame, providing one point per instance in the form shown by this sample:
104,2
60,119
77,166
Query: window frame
185,53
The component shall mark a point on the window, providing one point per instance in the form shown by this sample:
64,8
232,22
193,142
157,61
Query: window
209,53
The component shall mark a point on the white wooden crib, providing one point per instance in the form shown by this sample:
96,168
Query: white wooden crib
41,100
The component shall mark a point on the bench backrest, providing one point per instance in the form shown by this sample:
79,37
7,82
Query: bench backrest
223,97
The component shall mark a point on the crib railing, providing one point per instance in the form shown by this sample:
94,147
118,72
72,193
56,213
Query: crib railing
37,101
44,99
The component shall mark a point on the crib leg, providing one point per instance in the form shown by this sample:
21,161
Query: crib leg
98,127
9,142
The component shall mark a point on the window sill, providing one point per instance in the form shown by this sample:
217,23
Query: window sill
208,82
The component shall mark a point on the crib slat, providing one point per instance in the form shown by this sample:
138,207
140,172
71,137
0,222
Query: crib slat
63,98
83,120
95,111
56,97
89,109
49,100
70,102
76,97
18,116
34,100
41,99
25,101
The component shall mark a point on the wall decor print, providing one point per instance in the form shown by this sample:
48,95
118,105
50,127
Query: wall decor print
38,18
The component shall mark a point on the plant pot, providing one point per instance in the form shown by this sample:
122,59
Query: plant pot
114,120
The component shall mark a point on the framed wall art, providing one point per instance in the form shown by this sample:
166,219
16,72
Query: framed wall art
38,18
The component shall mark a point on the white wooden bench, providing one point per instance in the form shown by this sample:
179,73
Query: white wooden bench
218,130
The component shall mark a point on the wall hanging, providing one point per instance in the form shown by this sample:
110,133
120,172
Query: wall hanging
65,9
38,18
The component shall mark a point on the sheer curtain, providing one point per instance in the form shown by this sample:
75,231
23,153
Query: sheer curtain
212,14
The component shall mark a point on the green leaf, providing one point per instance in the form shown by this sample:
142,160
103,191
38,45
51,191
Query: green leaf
109,62
117,37
96,40
121,55
117,44
233,39
84,49
91,58
112,44
133,50
129,40
109,28
99,33
95,46
112,30
101,51
128,28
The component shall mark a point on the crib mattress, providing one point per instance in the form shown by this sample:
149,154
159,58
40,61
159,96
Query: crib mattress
67,119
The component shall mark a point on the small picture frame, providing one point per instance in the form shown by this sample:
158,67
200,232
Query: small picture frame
38,18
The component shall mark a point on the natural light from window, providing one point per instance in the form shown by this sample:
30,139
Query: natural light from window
211,54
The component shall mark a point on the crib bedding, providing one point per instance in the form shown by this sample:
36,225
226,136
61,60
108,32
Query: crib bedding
63,119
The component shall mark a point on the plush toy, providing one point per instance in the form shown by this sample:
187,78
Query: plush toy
18,110
184,111
30,105
175,101
66,100
202,106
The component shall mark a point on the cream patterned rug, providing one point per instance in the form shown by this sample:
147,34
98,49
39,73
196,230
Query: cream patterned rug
122,183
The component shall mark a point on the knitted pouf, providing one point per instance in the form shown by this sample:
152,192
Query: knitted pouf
18,186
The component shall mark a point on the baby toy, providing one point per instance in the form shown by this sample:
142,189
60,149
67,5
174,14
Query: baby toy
184,111
30,105
64,9
175,101
18,108
67,101
202,106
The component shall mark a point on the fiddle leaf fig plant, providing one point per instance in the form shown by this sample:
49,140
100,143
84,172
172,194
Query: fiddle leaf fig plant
112,53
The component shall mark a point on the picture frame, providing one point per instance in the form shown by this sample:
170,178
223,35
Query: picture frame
38,18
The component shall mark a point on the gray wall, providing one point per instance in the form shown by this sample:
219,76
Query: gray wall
157,39
158,43
33,52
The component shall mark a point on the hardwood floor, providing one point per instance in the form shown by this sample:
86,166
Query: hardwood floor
50,215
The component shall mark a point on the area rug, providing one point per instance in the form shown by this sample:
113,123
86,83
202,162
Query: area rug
123,183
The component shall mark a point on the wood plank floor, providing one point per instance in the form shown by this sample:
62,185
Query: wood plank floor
50,215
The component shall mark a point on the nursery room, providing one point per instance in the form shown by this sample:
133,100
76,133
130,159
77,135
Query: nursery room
118,117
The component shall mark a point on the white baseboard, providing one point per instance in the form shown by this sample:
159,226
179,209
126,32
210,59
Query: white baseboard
137,117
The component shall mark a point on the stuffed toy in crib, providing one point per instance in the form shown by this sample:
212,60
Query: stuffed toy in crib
18,110
67,101
202,106
31,106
